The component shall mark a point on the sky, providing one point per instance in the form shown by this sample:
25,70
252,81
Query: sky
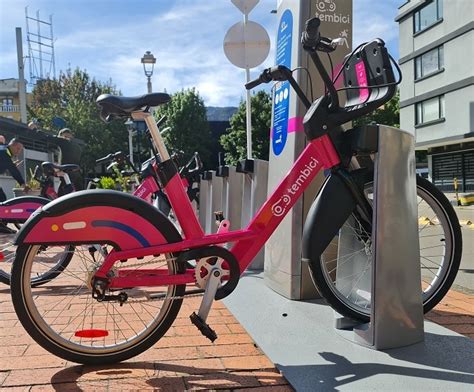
108,38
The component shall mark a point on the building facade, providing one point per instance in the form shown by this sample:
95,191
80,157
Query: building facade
437,90
9,99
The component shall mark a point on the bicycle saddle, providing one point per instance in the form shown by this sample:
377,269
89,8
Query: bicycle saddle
49,166
114,105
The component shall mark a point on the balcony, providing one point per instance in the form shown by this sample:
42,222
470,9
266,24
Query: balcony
9,108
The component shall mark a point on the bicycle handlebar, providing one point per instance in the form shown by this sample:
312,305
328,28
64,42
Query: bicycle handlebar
188,170
161,120
329,113
111,157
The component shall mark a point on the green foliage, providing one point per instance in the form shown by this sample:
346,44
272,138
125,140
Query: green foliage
388,114
186,116
72,97
235,141
106,183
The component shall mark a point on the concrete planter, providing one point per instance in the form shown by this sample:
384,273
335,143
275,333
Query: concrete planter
20,192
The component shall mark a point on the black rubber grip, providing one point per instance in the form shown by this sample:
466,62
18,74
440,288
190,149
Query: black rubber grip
310,36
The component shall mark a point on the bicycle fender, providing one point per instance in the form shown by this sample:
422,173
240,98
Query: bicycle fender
98,216
20,208
330,209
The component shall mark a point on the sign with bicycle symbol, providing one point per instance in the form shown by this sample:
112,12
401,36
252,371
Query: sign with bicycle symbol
326,5
281,100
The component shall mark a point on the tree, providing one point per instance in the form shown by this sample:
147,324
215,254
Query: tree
189,129
235,141
72,97
388,114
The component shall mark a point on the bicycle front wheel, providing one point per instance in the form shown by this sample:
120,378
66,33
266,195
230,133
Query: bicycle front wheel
64,318
349,292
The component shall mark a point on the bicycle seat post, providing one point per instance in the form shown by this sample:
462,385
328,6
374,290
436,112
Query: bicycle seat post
155,133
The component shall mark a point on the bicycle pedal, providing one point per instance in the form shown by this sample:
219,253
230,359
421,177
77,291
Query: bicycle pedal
205,329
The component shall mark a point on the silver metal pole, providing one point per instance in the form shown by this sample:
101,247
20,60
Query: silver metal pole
40,44
249,119
149,85
21,75
130,144
155,133
248,108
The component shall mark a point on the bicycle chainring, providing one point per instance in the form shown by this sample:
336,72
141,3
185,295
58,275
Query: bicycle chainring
208,258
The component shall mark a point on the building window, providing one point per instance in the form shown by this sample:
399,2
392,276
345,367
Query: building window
428,15
7,105
429,62
429,110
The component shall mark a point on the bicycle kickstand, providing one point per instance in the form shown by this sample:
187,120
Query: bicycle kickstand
199,319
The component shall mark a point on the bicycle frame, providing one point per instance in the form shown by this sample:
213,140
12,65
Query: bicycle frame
318,154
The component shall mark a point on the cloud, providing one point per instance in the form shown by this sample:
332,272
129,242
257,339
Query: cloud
186,37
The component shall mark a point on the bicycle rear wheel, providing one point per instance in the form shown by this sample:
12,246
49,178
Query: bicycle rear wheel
64,318
440,256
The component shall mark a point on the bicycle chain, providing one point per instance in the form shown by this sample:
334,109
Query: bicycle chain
144,263
157,299
133,301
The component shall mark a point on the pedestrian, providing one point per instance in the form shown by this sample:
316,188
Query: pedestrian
7,152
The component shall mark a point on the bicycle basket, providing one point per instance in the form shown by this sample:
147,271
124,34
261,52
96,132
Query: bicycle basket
366,68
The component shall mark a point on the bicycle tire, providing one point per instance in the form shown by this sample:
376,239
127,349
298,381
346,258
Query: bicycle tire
356,307
62,316
59,341
6,245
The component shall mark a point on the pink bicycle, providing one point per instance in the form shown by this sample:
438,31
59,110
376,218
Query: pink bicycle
113,303
15,212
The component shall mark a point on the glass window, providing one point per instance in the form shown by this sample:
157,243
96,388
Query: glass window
429,110
428,15
429,62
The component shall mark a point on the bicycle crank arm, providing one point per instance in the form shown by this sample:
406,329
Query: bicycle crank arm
199,319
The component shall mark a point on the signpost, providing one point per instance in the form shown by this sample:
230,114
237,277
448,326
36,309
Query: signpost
246,45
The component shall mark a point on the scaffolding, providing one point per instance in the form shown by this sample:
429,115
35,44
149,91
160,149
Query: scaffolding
40,47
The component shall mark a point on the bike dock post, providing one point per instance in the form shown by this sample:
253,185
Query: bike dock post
205,200
216,200
231,195
396,318
254,194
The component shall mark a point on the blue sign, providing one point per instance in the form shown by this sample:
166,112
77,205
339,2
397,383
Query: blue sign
281,102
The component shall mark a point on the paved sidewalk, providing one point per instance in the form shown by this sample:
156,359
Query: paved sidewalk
182,360
455,312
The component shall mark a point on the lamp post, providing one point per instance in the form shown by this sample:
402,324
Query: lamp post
148,61
129,124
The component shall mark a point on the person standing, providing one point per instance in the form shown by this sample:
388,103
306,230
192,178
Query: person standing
7,152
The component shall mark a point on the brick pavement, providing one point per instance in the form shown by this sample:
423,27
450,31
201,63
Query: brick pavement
182,360
455,312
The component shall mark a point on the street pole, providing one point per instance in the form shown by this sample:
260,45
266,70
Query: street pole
248,108
130,144
21,75
149,85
